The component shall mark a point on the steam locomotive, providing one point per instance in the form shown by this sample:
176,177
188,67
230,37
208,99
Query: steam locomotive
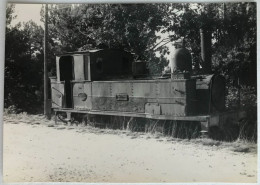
109,82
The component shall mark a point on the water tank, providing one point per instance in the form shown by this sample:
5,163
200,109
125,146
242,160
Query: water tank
181,61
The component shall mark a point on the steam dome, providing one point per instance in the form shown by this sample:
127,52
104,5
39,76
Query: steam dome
181,61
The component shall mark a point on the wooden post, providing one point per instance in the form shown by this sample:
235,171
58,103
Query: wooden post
46,107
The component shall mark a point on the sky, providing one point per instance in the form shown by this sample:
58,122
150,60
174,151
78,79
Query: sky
26,12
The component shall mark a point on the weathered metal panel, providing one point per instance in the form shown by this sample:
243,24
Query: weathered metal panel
105,96
88,91
191,89
118,88
204,82
203,86
122,97
180,88
175,109
58,68
101,89
78,87
139,68
144,89
108,64
164,90
79,67
153,108
78,91
133,96
218,89
87,67
57,94
210,91
142,115
111,104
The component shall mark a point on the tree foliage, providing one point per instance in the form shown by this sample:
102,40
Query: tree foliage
233,27
23,64
131,27
135,28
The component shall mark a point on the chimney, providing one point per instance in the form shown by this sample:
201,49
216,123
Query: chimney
205,42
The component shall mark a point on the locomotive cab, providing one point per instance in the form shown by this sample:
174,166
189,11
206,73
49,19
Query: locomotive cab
72,69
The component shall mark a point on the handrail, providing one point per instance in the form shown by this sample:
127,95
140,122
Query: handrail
57,90
61,96
57,104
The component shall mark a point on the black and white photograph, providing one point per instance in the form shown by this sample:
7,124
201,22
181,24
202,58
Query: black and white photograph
130,92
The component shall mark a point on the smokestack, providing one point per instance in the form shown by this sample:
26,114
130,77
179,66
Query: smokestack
205,43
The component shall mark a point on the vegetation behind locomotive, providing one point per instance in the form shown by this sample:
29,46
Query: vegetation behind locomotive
110,82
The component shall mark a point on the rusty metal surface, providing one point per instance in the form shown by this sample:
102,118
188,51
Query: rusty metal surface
153,108
218,89
57,92
141,115
120,88
58,68
111,104
210,92
88,91
79,67
77,89
107,64
94,91
181,61
145,89
87,70
134,96
158,97
139,68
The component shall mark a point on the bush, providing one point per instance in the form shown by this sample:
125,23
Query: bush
248,126
247,103
12,110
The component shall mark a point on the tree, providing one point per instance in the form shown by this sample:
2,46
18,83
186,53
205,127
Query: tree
233,26
9,14
23,64
131,27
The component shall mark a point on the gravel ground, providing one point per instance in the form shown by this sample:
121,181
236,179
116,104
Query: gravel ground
36,150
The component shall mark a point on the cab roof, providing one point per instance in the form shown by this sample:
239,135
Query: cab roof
87,52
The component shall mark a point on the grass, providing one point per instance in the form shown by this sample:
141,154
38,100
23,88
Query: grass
239,145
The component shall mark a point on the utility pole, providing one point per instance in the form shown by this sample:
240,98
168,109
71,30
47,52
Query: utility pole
46,107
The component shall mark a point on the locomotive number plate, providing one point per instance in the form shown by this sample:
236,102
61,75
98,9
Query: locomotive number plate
122,97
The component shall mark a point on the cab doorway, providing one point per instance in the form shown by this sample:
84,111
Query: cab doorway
66,75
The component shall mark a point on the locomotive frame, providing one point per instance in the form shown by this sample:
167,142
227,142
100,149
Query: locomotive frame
109,82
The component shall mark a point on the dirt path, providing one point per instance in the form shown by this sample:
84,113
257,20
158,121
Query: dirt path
37,153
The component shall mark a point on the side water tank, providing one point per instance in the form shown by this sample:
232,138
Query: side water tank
181,61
